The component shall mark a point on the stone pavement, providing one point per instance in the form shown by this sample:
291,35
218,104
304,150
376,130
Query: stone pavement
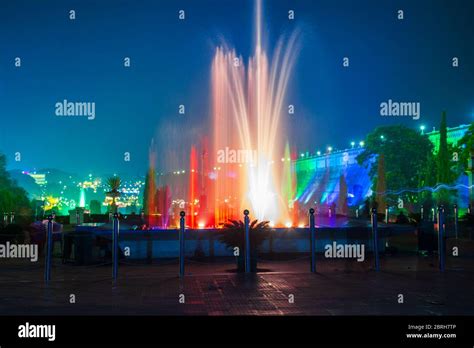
340,287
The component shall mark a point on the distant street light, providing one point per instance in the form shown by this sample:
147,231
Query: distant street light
361,144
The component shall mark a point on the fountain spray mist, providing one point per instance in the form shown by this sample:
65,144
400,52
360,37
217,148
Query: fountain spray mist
247,109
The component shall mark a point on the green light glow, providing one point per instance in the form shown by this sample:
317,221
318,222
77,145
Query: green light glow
82,199
288,190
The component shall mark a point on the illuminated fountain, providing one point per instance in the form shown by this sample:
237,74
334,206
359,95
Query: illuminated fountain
248,115
149,206
193,188
248,128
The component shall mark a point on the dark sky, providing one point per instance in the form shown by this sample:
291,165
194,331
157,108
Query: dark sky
82,60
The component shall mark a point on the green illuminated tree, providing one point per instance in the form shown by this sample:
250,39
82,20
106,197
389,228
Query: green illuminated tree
447,169
12,197
443,159
405,158
381,186
466,144
428,179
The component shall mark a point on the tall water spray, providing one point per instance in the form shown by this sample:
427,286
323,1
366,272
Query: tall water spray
249,115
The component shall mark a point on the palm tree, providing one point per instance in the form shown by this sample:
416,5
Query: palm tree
114,185
233,236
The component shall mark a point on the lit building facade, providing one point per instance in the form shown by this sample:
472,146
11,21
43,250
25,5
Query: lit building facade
318,176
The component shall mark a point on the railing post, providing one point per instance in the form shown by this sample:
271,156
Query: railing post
441,248
421,213
12,217
115,246
456,220
313,240
434,214
182,225
375,239
49,249
5,219
247,240
357,213
386,215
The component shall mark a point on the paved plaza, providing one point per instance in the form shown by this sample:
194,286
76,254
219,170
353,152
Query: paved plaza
285,287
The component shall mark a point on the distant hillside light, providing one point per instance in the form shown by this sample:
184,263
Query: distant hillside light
353,144
361,144
329,148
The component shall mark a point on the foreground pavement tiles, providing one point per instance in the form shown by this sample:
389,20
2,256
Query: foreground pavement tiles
286,288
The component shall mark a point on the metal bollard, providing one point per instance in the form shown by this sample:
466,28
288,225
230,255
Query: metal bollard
456,220
5,219
182,225
375,239
441,247
434,215
386,215
329,212
115,246
49,249
12,217
421,213
313,240
247,240
357,213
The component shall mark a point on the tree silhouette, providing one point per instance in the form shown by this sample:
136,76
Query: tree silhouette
341,207
381,185
405,151
12,197
114,186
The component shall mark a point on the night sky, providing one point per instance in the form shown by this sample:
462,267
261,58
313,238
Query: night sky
82,60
